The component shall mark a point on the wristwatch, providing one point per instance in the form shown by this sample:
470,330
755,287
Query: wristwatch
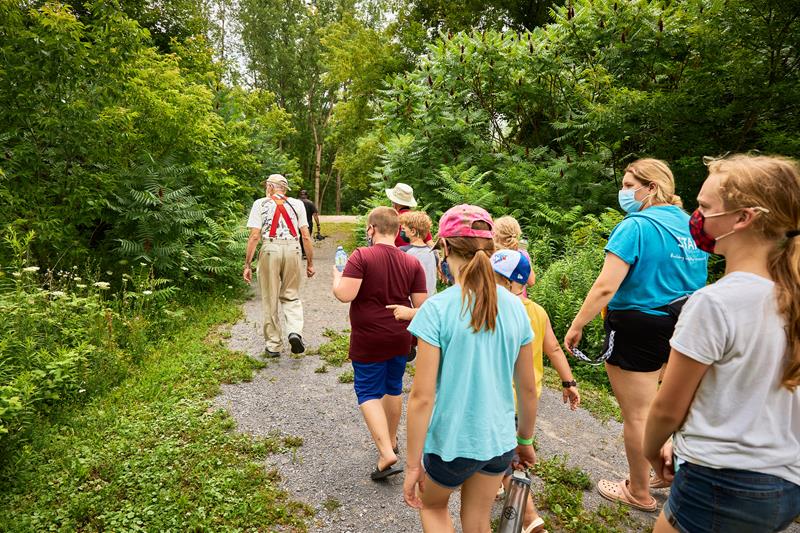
568,384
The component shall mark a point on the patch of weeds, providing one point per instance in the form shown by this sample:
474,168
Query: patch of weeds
563,497
334,352
346,376
322,369
152,454
331,504
595,399
344,234
411,370
291,441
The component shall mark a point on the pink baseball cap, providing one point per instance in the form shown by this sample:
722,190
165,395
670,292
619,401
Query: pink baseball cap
458,221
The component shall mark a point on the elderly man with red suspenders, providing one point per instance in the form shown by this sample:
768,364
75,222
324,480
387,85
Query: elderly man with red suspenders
280,222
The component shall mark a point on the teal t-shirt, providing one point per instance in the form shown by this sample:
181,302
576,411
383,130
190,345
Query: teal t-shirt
665,264
473,414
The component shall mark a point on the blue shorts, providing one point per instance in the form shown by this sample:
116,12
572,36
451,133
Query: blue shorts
707,499
453,474
372,381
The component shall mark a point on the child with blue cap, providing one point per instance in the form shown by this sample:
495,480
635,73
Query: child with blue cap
512,270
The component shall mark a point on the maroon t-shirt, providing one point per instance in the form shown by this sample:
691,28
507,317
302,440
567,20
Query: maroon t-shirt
389,276
398,241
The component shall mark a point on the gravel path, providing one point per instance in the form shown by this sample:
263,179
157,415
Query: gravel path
331,470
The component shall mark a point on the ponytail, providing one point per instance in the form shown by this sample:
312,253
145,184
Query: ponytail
478,288
784,267
479,291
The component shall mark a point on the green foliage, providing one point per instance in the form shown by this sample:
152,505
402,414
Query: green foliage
335,351
121,151
153,454
346,377
563,497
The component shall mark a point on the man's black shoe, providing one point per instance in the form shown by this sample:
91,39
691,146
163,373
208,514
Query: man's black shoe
297,343
269,353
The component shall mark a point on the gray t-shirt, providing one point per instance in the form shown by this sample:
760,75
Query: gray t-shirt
741,416
429,261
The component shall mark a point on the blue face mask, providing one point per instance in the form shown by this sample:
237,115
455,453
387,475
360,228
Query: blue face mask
628,201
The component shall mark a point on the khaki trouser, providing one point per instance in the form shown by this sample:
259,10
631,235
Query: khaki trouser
279,273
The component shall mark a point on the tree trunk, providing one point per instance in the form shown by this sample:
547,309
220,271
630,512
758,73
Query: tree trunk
317,168
338,191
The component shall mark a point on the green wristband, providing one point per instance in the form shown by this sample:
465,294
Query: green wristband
524,442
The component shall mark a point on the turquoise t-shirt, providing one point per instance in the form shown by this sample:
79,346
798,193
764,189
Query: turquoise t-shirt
665,264
473,414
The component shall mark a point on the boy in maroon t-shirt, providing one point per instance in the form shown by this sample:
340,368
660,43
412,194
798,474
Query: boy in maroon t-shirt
377,276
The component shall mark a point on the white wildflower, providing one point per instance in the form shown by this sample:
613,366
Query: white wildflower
81,286
147,293
78,279
142,264
16,274
74,267
30,269
110,273
57,294
184,269
230,286
102,285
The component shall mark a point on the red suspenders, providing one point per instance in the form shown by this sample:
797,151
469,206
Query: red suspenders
280,212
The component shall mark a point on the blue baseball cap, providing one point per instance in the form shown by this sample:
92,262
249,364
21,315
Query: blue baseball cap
512,265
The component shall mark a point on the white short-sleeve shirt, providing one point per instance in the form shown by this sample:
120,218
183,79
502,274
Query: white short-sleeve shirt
741,416
263,211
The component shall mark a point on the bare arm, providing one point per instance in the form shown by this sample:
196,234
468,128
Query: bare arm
527,402
309,249
555,354
420,407
252,243
603,289
671,405
345,289
316,218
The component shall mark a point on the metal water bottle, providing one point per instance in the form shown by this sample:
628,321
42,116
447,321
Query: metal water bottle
341,259
514,504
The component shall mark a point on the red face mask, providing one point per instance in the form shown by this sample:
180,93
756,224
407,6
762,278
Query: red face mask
703,240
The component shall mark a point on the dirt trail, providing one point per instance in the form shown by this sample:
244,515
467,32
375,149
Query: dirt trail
330,472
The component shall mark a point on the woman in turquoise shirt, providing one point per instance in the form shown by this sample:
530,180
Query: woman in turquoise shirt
651,261
474,339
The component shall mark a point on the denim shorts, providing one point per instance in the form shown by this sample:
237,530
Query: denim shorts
372,381
737,501
453,474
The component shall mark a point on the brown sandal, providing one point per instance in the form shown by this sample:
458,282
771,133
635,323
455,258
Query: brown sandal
618,492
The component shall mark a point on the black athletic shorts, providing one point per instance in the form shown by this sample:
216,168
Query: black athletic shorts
637,341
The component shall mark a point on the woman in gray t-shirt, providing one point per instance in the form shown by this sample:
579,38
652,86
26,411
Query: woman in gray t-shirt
730,393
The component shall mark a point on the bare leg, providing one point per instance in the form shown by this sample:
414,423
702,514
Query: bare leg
635,392
477,497
393,407
434,513
663,525
375,417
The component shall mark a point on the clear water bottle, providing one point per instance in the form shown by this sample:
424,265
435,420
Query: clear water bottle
514,504
341,259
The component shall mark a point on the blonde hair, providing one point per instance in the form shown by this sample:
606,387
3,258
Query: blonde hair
649,171
772,183
417,221
507,233
476,277
385,220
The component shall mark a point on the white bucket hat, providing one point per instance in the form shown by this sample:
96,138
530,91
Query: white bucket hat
402,194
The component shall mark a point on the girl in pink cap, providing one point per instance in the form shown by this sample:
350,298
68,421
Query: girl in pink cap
474,341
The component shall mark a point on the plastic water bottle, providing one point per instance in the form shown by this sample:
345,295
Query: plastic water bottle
514,504
341,259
